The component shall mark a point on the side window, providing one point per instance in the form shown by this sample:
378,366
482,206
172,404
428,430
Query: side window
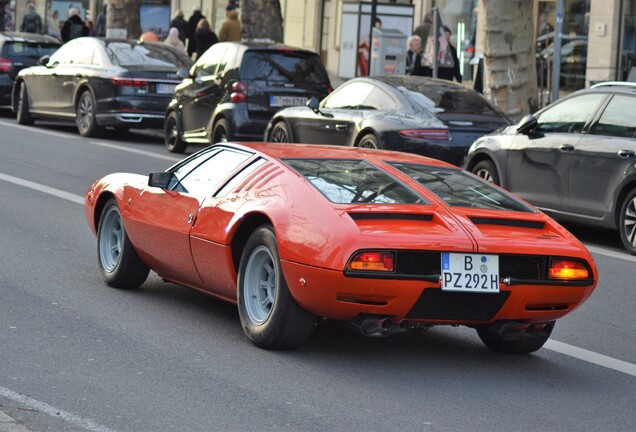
204,179
351,96
66,54
84,54
571,115
208,63
379,100
618,119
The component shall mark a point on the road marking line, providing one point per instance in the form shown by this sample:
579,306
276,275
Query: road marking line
611,253
591,357
42,188
53,412
132,150
42,131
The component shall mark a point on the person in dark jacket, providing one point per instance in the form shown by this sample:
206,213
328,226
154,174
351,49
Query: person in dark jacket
100,23
448,73
413,56
192,30
74,26
180,24
205,37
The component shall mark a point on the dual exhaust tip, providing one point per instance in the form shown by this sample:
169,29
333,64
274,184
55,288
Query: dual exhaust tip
381,326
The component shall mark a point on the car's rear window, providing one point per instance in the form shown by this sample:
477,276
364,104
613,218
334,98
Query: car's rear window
448,99
283,66
133,54
345,181
14,49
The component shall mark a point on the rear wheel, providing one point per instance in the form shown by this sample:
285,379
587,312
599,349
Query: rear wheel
118,261
370,141
486,169
221,132
523,345
627,223
86,116
280,133
270,316
23,115
172,136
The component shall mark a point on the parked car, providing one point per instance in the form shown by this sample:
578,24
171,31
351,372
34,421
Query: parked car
381,240
574,159
99,82
573,57
17,51
234,89
427,116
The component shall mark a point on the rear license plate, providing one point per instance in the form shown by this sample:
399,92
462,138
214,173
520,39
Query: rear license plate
470,272
165,88
279,101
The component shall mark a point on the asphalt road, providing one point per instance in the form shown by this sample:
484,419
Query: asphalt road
77,355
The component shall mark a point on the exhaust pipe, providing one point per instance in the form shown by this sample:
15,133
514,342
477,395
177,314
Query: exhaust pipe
376,326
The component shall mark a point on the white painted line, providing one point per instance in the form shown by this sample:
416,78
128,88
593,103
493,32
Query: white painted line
41,131
591,357
611,253
53,412
41,188
132,150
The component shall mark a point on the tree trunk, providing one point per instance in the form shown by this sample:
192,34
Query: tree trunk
262,19
510,75
124,14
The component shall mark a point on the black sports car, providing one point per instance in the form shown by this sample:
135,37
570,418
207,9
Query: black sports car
100,82
427,116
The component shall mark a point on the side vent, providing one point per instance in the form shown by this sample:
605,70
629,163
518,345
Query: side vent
507,222
390,216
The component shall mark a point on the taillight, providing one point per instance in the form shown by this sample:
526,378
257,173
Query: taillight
372,261
238,92
5,65
564,268
129,82
426,134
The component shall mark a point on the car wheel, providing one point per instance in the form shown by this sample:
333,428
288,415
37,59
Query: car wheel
486,169
370,141
172,136
85,116
523,345
280,133
221,132
23,115
118,261
270,316
628,222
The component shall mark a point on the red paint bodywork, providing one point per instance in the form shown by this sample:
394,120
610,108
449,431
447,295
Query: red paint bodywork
316,237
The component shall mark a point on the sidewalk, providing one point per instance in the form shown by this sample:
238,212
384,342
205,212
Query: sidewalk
9,424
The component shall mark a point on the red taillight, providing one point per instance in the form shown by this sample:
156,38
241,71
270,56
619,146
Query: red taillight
426,134
238,92
239,86
130,82
5,65
372,261
563,268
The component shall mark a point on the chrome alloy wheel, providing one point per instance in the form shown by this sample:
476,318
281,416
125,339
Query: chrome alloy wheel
629,222
260,285
110,239
485,174
85,110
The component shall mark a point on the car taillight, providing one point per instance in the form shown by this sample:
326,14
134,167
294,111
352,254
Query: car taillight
238,92
563,268
372,261
129,82
5,65
426,134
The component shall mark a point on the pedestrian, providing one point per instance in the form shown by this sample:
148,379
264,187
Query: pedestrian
231,28
413,56
445,72
363,50
205,37
192,29
100,23
53,28
91,28
425,30
180,24
173,39
31,22
74,26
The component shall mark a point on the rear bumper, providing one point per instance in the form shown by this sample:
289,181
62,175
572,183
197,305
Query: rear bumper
133,111
133,120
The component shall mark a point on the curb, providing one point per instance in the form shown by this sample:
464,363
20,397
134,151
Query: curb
9,424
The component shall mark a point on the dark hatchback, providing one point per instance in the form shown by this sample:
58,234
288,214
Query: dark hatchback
233,90
17,51
574,159
100,82
427,116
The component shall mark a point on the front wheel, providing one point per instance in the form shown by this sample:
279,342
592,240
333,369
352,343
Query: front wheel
118,261
627,223
23,114
486,169
270,316
172,137
86,116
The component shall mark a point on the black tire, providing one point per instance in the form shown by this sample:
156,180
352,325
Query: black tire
23,115
86,116
221,132
280,133
524,345
270,316
627,222
370,141
487,170
172,135
118,261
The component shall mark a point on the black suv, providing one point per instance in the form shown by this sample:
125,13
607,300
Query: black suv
234,89
17,51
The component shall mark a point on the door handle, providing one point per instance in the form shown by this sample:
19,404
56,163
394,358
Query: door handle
567,147
190,218
626,153
341,127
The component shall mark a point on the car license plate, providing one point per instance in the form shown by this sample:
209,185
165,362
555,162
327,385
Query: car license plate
165,88
470,272
279,101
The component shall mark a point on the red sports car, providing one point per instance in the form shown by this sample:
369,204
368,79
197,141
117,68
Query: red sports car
385,241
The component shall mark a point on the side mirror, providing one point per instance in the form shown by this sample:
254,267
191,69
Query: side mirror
160,179
527,124
314,104
44,60
183,73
